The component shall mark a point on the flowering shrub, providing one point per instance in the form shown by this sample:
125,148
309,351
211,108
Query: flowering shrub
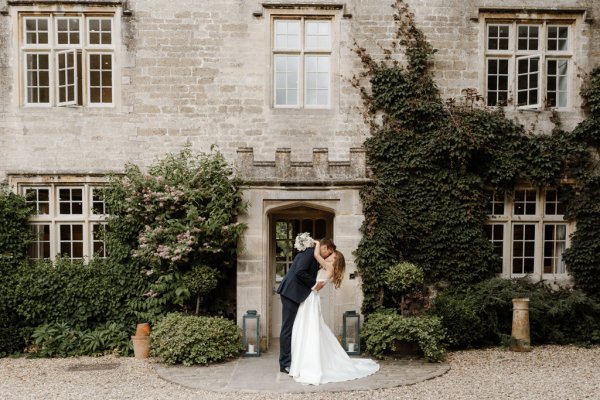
179,214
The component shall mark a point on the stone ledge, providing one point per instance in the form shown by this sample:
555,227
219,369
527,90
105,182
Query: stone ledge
76,2
318,172
552,10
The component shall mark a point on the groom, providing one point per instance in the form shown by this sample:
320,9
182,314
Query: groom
294,289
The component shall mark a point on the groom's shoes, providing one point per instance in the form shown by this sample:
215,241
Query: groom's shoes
284,370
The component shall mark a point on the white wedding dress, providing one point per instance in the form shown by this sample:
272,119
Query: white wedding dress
317,356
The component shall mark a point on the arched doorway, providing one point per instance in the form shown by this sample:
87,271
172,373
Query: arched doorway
284,225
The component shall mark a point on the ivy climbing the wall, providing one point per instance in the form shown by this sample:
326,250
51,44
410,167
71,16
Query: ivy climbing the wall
433,161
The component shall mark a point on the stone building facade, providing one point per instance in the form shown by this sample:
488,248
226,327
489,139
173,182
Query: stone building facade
89,85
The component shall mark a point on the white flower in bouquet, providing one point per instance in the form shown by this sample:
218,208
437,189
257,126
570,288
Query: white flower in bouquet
304,241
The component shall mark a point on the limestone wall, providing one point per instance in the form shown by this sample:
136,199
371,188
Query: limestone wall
199,72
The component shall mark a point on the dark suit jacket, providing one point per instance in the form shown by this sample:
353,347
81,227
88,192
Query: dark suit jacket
301,277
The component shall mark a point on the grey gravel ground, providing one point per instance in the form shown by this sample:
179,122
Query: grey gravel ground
548,372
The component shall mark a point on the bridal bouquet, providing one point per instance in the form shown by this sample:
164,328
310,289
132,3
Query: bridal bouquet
304,241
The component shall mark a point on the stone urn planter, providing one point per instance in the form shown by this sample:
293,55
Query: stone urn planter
141,341
520,326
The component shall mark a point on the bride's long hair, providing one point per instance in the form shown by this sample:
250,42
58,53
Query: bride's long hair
339,266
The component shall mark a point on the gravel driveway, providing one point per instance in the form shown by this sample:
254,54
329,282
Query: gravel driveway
548,372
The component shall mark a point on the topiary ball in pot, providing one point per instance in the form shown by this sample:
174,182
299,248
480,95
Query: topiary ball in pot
188,340
404,277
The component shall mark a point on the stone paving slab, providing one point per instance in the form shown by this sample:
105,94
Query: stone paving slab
261,374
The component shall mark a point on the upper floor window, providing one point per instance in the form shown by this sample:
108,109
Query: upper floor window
67,59
529,65
301,49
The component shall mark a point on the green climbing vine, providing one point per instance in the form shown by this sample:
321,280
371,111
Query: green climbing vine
433,161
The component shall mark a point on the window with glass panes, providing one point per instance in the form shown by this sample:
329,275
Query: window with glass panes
528,65
69,221
528,232
286,230
68,59
301,62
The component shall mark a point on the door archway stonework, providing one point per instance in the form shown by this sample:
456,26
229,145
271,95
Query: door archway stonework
336,196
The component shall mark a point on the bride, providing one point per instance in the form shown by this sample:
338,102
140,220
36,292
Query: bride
317,356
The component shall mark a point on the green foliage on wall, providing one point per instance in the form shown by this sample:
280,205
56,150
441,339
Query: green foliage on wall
433,160
15,234
15,237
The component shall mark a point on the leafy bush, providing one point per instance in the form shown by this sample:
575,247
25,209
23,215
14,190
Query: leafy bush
11,341
482,315
404,277
187,340
180,214
201,280
81,296
384,329
15,236
60,340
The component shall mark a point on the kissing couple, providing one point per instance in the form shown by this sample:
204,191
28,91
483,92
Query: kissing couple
309,351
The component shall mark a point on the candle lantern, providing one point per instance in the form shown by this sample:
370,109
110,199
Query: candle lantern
351,334
251,333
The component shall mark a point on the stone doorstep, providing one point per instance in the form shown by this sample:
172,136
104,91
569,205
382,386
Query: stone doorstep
261,375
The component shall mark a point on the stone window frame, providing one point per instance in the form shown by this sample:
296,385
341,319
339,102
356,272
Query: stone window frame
53,11
332,12
54,219
543,18
508,219
302,53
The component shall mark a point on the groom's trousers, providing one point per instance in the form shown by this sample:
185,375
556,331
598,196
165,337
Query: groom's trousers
289,310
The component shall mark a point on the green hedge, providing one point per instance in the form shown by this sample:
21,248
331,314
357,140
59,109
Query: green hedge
384,329
482,314
181,339
15,237
81,296
12,341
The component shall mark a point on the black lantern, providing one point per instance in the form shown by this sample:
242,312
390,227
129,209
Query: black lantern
251,333
351,338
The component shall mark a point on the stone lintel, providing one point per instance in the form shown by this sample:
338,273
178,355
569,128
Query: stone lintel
301,5
526,11
66,2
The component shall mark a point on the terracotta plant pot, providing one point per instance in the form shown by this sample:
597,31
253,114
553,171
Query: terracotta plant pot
141,346
142,329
